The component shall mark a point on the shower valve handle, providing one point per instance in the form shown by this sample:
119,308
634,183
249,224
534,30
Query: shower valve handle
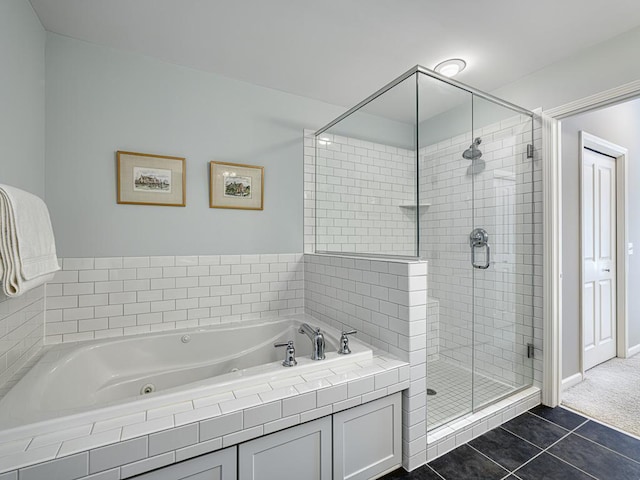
479,238
290,354
344,349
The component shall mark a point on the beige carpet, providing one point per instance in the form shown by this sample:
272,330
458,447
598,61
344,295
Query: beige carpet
610,393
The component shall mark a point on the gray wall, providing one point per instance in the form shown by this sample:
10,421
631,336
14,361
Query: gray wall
22,46
22,138
619,124
595,69
101,100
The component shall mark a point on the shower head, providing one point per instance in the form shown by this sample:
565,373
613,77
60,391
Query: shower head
473,152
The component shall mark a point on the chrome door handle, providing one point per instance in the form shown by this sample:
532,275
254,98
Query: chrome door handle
479,238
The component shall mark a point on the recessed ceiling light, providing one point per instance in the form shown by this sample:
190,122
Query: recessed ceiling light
450,68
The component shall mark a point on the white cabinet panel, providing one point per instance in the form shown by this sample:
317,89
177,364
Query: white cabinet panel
367,440
220,465
302,453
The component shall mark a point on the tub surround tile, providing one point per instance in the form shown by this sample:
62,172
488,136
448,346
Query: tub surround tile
281,424
218,427
173,439
118,454
16,446
69,468
144,428
217,421
82,444
240,403
169,410
110,424
312,385
213,399
168,291
60,436
245,392
242,436
197,415
298,404
147,464
262,414
278,394
30,457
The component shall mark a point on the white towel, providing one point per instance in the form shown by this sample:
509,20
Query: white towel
27,247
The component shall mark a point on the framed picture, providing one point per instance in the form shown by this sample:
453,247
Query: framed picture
145,179
233,185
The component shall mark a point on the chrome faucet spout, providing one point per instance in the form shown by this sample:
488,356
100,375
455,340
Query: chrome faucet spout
317,341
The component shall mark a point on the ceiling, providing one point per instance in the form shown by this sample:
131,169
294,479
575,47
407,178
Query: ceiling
340,51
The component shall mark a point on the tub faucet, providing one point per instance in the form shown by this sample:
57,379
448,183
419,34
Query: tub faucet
317,341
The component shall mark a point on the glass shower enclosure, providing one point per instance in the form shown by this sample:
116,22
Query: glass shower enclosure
430,168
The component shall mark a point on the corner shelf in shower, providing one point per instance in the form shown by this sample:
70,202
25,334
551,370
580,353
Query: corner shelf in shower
412,206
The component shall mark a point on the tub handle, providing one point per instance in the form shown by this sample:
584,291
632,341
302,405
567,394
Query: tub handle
290,353
344,342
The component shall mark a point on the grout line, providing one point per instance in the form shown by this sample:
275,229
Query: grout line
600,422
491,459
606,448
564,461
434,471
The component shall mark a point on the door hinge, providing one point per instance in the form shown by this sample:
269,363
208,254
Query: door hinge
530,350
529,150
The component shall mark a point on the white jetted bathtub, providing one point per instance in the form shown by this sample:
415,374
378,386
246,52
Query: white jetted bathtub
134,373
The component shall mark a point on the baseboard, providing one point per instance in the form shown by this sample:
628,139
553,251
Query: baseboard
633,350
571,381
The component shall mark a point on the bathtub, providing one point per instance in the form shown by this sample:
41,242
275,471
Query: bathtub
119,376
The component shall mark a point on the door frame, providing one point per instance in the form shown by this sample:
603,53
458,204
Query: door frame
620,155
552,228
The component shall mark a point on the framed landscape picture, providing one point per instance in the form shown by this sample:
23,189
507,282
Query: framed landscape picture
233,185
145,179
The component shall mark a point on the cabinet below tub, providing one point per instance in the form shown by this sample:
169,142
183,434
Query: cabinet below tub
360,443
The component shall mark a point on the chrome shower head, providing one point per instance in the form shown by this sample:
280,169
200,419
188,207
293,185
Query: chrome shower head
473,152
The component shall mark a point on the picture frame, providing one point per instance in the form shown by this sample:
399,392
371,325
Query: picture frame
235,185
146,179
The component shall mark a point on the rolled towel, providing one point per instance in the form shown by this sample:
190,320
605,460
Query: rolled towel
27,246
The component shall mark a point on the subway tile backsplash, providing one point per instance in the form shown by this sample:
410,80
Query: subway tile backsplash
93,298
21,327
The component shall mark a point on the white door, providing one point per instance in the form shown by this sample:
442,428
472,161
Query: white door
599,257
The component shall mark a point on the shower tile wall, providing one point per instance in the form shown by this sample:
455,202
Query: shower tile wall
504,194
385,300
107,297
360,187
21,332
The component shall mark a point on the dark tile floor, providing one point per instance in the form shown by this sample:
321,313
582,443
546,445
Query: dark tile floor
542,444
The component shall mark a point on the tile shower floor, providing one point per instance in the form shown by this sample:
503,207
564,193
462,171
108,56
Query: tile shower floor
453,392
541,444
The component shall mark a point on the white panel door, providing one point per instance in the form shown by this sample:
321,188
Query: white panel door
599,257
301,453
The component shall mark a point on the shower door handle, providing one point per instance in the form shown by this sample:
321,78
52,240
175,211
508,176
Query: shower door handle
479,238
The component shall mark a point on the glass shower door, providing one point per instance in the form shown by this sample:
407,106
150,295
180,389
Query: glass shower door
445,220
501,250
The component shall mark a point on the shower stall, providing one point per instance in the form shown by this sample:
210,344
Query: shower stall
428,168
